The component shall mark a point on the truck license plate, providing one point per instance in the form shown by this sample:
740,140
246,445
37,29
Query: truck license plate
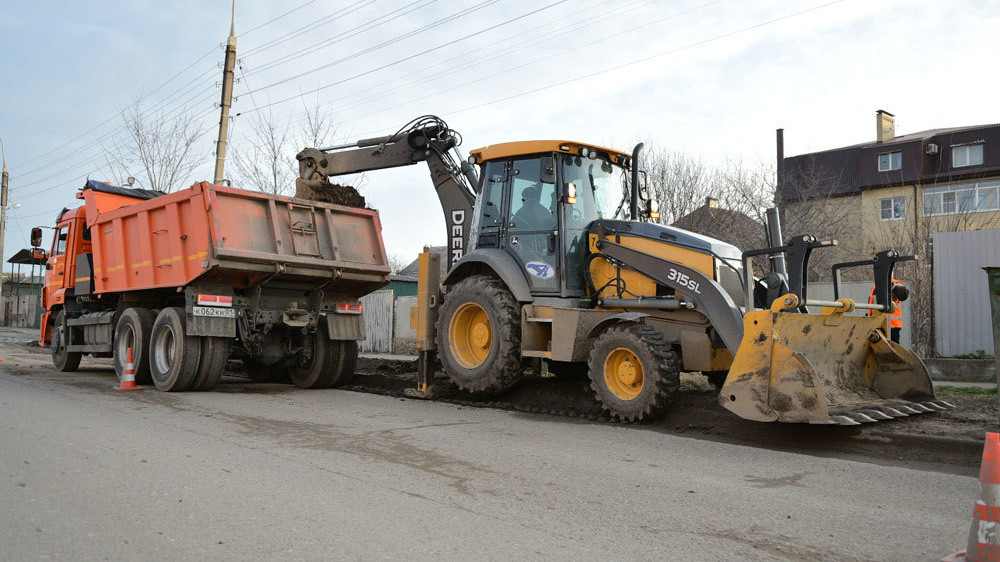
214,312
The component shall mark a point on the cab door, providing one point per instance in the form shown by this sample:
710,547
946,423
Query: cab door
56,267
532,235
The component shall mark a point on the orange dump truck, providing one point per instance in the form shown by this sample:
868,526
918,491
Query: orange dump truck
187,280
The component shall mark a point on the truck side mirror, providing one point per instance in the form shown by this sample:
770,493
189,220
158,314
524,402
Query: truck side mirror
36,237
547,173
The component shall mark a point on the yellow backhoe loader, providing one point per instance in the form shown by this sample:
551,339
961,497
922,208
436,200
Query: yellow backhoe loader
553,254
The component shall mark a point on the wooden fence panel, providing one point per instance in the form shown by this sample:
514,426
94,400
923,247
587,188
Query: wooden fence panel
378,322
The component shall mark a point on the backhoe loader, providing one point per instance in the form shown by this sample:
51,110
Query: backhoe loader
553,254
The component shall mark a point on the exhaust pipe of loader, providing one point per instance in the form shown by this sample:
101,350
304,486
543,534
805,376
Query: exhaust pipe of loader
633,208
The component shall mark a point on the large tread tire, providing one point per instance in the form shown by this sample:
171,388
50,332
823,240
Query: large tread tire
259,372
332,363
214,354
133,330
64,361
174,356
634,392
495,364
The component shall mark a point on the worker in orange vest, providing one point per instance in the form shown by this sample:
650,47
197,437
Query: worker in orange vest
899,293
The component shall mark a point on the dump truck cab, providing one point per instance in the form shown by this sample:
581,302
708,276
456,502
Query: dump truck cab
70,240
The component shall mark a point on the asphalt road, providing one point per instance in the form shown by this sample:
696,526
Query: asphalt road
265,472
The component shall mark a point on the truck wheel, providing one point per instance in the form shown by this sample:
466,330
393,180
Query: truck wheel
479,335
214,354
133,330
634,371
347,352
332,363
259,372
173,356
64,361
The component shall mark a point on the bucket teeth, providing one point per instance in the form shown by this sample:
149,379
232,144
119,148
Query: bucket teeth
844,420
863,417
877,414
892,412
933,406
945,404
922,408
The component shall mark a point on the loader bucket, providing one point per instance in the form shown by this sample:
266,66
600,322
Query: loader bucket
824,368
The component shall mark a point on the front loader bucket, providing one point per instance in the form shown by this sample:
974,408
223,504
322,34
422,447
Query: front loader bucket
824,369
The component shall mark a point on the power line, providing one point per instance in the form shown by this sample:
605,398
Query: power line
405,59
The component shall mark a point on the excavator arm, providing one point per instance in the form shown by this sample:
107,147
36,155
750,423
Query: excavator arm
426,139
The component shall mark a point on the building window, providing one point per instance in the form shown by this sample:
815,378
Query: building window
967,155
958,198
890,161
893,209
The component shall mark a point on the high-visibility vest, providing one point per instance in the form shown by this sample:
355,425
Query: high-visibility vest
896,318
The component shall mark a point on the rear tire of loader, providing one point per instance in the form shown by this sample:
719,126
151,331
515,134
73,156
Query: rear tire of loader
173,355
634,371
479,335
134,330
332,363
214,354
64,361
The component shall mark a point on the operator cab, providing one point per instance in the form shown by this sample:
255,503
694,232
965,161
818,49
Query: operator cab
537,200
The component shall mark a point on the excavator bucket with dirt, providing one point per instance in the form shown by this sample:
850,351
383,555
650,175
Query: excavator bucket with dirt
826,368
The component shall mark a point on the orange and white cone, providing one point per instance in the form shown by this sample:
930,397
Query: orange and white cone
984,535
128,374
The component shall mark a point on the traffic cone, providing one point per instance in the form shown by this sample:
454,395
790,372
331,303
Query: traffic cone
984,535
128,374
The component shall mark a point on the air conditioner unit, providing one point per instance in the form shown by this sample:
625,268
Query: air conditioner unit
932,148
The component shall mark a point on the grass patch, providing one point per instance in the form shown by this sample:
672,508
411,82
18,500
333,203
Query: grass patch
966,390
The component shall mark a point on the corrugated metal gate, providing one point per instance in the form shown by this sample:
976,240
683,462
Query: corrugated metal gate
378,322
962,322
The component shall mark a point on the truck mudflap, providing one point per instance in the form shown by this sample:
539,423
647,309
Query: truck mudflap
824,368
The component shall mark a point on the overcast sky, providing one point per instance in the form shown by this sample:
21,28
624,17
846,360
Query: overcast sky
711,78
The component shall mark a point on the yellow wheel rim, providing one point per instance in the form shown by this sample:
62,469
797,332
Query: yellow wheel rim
623,373
471,335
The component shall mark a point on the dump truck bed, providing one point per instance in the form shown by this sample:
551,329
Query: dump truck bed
230,236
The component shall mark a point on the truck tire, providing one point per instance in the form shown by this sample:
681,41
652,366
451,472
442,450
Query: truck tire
259,372
214,354
479,335
64,361
634,371
347,352
133,330
332,363
173,355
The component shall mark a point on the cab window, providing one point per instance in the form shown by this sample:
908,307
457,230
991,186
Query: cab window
533,203
59,243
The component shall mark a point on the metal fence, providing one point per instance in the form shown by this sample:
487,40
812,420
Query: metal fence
378,322
962,322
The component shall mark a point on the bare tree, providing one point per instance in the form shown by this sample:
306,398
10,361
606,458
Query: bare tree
262,160
810,205
158,149
398,262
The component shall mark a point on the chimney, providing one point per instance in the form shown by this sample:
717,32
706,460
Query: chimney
885,124
711,202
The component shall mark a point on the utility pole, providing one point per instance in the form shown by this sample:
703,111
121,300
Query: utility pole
227,100
3,218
